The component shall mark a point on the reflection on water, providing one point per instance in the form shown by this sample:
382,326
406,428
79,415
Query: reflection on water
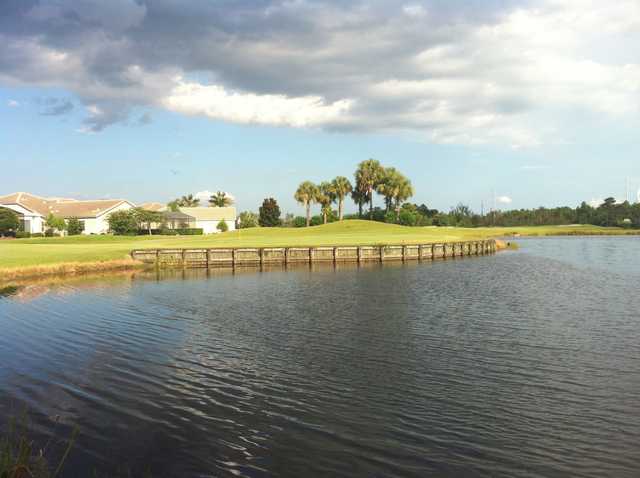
522,364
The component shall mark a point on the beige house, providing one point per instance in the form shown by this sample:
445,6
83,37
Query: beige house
33,211
208,218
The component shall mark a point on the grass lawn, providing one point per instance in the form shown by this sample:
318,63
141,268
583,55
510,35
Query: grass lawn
48,251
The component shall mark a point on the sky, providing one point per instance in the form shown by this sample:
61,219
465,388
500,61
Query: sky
534,102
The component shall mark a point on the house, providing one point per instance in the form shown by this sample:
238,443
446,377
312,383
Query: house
33,211
208,218
153,206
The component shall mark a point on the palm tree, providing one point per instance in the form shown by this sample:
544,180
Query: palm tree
188,201
403,192
306,194
326,196
341,188
359,197
388,186
368,175
220,199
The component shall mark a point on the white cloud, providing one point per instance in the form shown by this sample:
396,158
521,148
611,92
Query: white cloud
13,104
491,74
215,102
504,200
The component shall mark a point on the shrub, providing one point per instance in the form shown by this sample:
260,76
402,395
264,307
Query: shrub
74,226
9,221
299,221
247,219
390,217
190,231
269,213
123,223
37,234
22,235
49,233
408,218
222,226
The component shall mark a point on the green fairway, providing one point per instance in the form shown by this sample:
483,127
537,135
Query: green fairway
47,251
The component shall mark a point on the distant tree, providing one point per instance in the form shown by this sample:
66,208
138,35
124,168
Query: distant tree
9,221
269,213
220,199
325,197
55,223
368,176
188,201
122,222
306,194
341,188
247,219
145,219
222,226
360,198
173,205
74,226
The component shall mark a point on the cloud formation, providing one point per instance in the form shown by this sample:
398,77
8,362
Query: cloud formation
453,72
13,104
504,200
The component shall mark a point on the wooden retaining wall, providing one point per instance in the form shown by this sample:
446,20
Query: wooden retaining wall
230,257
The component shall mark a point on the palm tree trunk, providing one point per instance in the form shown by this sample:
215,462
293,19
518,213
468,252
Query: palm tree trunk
340,206
324,217
360,209
371,205
308,214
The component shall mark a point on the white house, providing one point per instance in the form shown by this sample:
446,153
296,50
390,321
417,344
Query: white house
33,211
208,218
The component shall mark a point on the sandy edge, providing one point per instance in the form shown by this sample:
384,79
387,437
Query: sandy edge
70,268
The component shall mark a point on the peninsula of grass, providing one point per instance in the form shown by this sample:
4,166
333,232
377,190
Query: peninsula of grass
38,256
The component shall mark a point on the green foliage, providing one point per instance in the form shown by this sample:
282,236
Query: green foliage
55,223
269,213
173,205
408,218
194,231
188,201
247,219
220,199
368,175
23,235
123,223
299,221
74,226
9,221
306,194
146,219
222,226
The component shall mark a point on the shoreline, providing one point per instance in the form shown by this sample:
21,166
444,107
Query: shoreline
69,269
76,268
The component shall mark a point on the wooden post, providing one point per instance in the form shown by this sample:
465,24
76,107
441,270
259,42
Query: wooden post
184,262
359,250
381,253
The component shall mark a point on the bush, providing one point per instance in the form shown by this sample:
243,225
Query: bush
74,226
38,234
222,226
123,223
49,233
408,218
22,235
9,221
299,221
390,217
247,219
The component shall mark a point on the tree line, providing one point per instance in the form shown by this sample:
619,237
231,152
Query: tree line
369,178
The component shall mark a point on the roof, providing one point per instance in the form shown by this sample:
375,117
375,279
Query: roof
210,213
60,206
153,206
176,215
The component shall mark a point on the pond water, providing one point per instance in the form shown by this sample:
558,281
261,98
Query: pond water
525,363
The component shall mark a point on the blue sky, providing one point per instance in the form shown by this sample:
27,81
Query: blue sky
283,94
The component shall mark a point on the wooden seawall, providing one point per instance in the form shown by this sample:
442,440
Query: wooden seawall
230,257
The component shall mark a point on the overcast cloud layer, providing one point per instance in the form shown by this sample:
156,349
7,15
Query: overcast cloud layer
450,71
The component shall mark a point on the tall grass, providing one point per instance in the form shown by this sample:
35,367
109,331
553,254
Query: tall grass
20,457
